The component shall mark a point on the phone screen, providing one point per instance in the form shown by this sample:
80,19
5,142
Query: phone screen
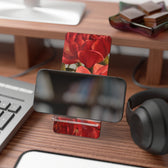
80,95
36,159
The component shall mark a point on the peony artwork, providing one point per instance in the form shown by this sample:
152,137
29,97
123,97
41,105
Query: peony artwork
86,53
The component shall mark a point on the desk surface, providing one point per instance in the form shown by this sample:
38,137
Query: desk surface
95,20
114,144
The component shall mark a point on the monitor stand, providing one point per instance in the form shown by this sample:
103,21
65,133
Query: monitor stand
46,11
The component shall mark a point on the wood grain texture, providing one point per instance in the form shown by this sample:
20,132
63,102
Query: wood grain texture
115,143
154,67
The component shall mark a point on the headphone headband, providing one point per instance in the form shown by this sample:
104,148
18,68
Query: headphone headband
140,97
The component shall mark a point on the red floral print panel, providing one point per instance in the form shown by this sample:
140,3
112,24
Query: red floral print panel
86,50
77,127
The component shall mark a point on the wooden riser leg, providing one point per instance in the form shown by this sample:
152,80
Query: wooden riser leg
154,67
27,50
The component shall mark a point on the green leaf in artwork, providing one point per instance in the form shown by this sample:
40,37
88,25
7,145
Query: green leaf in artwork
63,67
106,60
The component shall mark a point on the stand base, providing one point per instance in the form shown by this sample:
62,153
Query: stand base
77,127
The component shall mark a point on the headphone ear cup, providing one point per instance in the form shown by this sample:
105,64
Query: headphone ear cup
148,126
163,105
141,128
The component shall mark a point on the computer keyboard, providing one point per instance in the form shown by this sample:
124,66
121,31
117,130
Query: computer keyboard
16,104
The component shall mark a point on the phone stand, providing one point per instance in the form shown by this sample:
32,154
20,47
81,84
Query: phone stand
83,53
79,102
85,96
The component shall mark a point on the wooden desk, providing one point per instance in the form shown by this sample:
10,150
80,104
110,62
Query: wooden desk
115,143
29,35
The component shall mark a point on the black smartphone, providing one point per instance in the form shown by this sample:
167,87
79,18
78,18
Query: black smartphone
80,95
36,159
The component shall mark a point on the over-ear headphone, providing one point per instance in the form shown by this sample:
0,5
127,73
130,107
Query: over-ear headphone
149,122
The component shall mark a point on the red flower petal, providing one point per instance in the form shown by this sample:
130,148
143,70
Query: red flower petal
70,53
93,36
67,59
90,57
96,67
87,45
107,42
99,69
82,69
80,39
99,46
70,36
103,45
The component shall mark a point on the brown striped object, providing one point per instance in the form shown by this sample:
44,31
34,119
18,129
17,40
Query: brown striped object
156,19
132,15
150,7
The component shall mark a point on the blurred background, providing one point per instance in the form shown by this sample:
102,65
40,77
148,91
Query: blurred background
114,49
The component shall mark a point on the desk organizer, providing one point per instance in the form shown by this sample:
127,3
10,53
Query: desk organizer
81,95
117,22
